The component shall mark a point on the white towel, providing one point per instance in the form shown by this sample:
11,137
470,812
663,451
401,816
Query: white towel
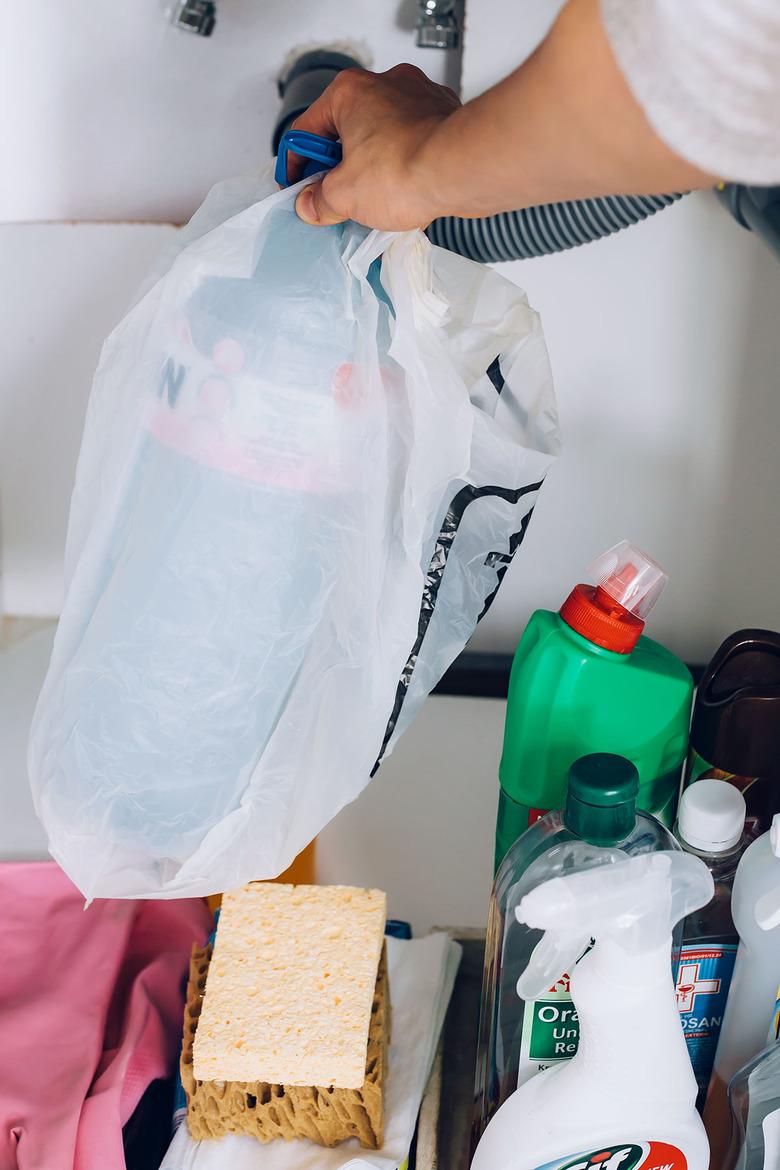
421,974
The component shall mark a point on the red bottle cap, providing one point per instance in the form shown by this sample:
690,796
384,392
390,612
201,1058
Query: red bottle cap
612,612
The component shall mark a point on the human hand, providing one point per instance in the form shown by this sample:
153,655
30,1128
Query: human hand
383,121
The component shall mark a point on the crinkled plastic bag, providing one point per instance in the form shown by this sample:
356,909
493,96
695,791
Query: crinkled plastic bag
309,456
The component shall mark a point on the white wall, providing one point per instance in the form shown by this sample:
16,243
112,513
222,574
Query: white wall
666,355
23,665
665,347
663,339
112,114
63,287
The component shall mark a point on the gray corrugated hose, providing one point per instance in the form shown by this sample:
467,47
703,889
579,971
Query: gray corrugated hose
512,235
537,231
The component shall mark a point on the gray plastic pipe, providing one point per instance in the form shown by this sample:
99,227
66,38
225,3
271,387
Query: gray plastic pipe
755,208
538,231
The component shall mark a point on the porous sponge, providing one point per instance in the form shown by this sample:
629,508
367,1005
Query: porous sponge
290,986
325,1115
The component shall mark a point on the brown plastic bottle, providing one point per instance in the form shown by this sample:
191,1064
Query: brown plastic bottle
735,732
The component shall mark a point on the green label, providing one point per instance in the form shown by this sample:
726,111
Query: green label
551,1031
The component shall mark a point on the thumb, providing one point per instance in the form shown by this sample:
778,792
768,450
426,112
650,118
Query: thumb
313,207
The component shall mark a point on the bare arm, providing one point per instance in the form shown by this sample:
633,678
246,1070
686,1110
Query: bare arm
563,126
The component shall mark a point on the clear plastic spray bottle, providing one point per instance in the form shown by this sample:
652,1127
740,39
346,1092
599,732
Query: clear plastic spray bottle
627,1099
518,1038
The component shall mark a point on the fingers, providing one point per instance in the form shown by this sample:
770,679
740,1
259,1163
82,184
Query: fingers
313,207
318,119
322,115
380,120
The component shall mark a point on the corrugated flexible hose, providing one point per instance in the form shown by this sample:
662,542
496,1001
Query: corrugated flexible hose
538,231
511,235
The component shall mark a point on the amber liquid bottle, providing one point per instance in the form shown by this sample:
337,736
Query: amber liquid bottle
301,873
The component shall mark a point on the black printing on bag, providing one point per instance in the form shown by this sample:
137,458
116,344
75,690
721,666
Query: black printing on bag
435,574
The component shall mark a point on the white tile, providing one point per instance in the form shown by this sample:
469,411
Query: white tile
117,115
63,287
22,667
424,828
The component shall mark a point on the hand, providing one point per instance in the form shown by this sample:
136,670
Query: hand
383,121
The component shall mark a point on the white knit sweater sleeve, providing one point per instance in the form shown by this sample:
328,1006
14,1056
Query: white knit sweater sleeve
707,75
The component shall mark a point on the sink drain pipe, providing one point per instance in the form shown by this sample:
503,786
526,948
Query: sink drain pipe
538,231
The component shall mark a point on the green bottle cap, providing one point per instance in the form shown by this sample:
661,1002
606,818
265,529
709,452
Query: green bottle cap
601,798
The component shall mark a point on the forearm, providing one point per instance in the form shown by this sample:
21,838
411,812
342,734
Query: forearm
563,126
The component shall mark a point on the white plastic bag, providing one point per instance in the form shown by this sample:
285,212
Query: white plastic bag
309,455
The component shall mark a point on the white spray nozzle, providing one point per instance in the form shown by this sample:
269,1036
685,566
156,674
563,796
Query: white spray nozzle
635,902
630,577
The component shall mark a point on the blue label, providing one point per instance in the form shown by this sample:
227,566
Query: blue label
703,982
179,1103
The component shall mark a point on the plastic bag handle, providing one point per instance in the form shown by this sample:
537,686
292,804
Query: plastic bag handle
323,154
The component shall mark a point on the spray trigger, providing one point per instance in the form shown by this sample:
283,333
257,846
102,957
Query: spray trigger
554,955
636,902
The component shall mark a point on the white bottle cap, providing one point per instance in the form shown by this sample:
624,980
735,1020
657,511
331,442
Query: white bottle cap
711,817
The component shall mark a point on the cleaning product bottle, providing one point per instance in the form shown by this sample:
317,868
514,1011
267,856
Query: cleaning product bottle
752,1012
710,824
519,1038
754,1097
626,1101
735,731
586,680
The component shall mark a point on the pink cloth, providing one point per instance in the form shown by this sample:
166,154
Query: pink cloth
90,1014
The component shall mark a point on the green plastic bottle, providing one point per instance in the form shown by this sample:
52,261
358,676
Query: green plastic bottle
585,680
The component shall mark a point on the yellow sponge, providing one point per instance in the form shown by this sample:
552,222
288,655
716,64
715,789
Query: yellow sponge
256,1109
290,986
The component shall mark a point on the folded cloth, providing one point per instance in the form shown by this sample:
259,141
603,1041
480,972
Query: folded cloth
90,1011
421,975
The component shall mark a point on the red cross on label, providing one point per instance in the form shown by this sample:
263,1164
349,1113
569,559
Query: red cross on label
689,985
